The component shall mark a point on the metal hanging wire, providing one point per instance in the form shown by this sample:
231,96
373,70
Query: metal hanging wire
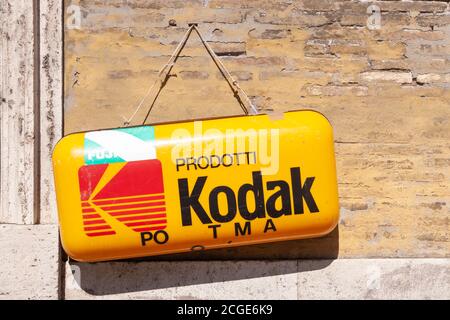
164,75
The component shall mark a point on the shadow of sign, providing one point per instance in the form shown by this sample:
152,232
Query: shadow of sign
207,267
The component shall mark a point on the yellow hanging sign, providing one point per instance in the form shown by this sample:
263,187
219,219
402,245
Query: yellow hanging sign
169,188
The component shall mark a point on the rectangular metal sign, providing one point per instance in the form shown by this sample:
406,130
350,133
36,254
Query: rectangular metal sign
195,185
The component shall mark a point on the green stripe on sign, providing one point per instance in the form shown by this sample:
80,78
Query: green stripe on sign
119,145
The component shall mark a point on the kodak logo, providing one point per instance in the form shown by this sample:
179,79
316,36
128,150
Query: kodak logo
293,196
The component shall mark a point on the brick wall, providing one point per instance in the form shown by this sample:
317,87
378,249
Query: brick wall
287,55
383,83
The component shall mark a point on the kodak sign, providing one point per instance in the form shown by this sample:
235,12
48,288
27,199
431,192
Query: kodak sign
195,185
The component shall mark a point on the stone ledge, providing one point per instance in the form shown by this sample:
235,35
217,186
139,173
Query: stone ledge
375,279
182,280
261,279
29,261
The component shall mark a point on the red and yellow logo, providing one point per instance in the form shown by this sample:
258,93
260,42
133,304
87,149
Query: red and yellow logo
131,192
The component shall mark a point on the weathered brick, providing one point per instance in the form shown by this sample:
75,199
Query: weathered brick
330,90
228,48
424,64
238,75
293,17
188,15
413,6
317,48
385,50
353,47
406,34
159,4
120,74
390,64
269,33
274,47
224,32
433,20
393,6
336,31
316,76
251,4
343,78
353,64
429,48
118,18
314,5
200,75
397,76
389,19
354,20
257,61
433,78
